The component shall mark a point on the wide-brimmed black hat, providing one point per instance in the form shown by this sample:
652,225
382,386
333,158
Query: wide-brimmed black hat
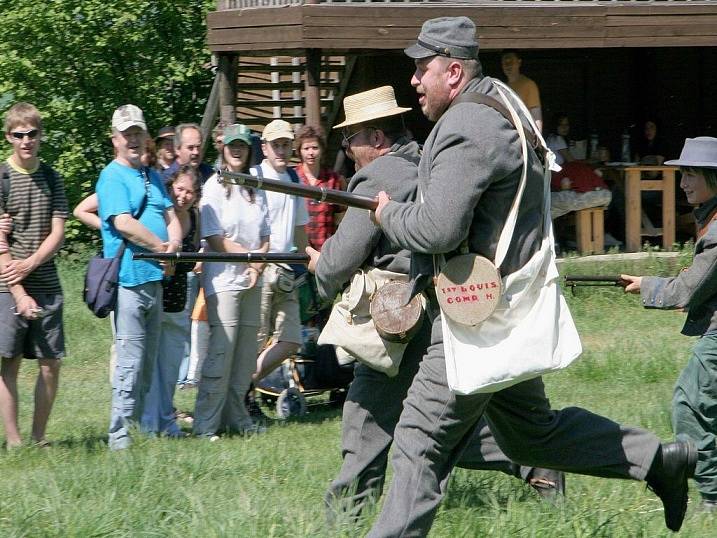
454,37
700,152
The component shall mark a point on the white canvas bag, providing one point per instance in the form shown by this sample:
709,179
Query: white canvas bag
350,327
531,332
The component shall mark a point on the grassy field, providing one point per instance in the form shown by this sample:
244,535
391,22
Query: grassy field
273,484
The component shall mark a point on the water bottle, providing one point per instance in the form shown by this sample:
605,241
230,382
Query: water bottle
309,336
594,141
625,146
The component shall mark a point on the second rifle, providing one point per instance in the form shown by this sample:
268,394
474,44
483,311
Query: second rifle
573,281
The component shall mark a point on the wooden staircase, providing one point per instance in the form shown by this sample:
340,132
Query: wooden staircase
268,88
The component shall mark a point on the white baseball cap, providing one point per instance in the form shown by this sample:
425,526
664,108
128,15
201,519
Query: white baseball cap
128,116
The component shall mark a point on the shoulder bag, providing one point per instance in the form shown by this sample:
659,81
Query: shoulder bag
531,331
102,276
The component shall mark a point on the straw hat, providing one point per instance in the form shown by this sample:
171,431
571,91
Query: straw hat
700,152
370,105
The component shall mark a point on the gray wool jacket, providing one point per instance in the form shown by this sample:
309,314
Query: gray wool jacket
695,288
469,173
358,242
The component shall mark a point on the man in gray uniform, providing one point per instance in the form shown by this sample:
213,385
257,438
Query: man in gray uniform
469,172
375,138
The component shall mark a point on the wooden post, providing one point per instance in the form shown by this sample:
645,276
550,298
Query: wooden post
668,208
311,87
227,77
633,211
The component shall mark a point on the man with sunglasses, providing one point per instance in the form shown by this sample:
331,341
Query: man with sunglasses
33,197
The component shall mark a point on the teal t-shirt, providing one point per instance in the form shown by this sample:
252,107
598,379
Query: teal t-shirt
121,189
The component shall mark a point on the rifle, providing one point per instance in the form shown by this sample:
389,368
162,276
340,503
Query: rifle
320,194
245,257
574,281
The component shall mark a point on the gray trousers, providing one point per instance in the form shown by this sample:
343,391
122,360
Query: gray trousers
436,425
230,362
371,412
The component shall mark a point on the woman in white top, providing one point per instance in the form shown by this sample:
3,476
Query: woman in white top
558,141
233,219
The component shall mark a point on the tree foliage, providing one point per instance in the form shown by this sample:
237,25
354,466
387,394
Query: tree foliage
77,60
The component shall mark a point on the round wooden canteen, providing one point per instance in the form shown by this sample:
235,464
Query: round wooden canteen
395,320
468,289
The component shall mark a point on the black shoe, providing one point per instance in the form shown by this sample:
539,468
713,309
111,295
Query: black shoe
253,408
549,484
673,465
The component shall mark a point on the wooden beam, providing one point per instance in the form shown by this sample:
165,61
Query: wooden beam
210,113
252,36
352,27
243,18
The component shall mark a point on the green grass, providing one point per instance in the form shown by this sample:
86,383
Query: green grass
273,485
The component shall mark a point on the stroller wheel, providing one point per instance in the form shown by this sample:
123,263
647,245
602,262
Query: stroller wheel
290,403
267,399
337,397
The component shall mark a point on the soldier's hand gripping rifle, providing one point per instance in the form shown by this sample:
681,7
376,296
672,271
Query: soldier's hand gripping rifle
574,281
320,194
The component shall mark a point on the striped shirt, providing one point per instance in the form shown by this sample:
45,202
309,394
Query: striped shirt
35,198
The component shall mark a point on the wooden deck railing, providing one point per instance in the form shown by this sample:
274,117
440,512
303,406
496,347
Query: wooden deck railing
241,4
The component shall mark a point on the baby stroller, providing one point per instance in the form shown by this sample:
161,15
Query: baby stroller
314,370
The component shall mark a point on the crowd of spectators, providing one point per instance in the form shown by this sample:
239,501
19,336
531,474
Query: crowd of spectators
216,327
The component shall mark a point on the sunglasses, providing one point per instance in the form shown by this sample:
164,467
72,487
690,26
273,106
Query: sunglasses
31,134
347,137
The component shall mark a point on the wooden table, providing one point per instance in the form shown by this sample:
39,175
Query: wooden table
634,185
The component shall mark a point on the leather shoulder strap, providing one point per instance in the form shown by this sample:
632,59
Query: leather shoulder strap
487,100
703,230
4,183
483,99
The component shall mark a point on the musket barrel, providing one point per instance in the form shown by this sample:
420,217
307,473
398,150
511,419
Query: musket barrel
592,278
320,194
245,257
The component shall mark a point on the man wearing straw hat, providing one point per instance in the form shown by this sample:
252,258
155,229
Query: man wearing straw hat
375,138
469,173
694,403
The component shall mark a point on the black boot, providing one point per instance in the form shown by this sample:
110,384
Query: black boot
549,484
674,463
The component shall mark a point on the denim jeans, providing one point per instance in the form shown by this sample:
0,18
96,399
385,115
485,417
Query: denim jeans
137,320
158,414
192,292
